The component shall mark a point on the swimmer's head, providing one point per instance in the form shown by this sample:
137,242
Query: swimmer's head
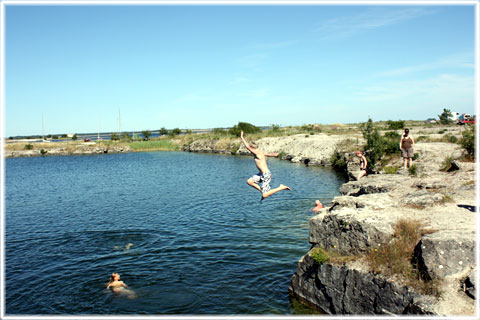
358,153
115,276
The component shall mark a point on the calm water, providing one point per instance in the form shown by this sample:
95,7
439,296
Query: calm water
202,241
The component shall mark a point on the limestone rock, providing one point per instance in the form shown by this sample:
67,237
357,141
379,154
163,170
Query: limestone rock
349,290
423,198
440,255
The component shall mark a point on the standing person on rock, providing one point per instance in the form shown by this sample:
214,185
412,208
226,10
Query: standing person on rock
264,174
407,144
363,165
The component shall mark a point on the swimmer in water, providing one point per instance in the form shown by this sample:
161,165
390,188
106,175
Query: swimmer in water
318,206
119,287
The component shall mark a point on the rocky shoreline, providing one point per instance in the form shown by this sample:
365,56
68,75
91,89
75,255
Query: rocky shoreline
362,218
87,148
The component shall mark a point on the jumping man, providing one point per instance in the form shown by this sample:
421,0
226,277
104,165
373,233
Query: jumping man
264,175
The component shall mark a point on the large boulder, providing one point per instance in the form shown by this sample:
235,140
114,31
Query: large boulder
341,289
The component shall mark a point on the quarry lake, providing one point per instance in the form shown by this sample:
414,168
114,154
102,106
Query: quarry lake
184,231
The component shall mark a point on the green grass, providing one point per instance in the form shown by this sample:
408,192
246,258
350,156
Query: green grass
162,145
319,255
390,170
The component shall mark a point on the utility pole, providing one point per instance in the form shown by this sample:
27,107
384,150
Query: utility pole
119,124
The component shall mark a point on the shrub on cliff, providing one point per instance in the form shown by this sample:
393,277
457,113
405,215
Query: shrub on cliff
319,255
378,146
468,142
375,146
246,127
395,257
28,147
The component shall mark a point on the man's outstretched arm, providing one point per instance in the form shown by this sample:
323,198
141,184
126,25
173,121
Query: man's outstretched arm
275,154
254,151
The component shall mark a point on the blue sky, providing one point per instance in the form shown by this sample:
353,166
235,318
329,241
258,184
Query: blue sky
212,66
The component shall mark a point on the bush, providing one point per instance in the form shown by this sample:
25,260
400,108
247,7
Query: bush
413,170
395,125
468,142
126,136
163,131
450,138
146,134
378,146
275,127
338,161
219,131
393,135
415,156
43,152
319,255
74,137
447,163
245,127
113,137
175,132
395,257
28,147
374,146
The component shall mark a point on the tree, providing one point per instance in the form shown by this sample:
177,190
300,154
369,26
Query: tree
126,136
74,137
163,131
146,134
114,136
445,117
175,132
395,125
245,127
375,146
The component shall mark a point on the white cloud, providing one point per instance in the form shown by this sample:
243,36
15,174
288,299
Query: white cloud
370,19
460,60
444,87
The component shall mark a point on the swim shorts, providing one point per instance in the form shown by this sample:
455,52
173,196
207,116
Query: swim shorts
265,178
407,153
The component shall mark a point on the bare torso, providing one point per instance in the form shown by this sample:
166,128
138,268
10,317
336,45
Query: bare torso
261,162
116,286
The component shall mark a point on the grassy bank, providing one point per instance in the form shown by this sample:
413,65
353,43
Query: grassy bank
154,145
